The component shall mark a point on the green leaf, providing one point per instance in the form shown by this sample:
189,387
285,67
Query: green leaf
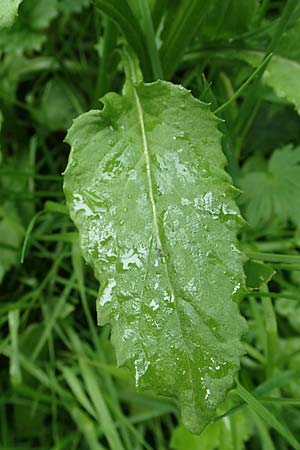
8,12
290,354
257,274
39,13
226,434
156,212
288,45
28,31
290,309
282,74
58,105
273,195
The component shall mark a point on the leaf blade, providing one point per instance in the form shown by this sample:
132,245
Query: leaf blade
8,12
145,185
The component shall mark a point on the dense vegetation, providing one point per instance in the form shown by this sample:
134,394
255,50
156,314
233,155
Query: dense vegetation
60,387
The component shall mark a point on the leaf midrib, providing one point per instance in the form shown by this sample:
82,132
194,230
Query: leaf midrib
155,221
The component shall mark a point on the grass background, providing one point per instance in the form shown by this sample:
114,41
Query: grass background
59,385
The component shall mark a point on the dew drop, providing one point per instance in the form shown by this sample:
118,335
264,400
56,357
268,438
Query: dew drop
154,305
141,367
107,293
130,258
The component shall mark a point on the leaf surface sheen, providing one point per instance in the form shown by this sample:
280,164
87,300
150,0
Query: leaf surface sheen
156,212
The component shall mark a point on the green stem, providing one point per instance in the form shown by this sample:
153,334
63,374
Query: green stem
104,80
254,74
150,39
271,333
261,294
252,100
274,257
131,66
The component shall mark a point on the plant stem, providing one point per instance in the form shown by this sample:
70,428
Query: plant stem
104,80
151,39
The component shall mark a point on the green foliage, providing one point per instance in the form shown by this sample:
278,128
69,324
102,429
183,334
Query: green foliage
226,434
273,195
26,33
158,240
120,12
289,309
69,6
11,235
58,105
180,30
282,74
8,12
60,387
257,274
227,19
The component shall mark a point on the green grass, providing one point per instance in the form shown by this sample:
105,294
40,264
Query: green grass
59,384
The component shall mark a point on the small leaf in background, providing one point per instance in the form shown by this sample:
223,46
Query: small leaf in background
28,33
157,218
281,74
8,12
290,309
39,13
288,45
290,354
225,434
274,126
273,195
11,68
257,274
58,106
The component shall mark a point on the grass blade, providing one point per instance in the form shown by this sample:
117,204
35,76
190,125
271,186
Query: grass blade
151,39
256,406
96,396
119,12
182,28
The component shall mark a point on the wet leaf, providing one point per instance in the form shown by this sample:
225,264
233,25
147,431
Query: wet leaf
156,212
